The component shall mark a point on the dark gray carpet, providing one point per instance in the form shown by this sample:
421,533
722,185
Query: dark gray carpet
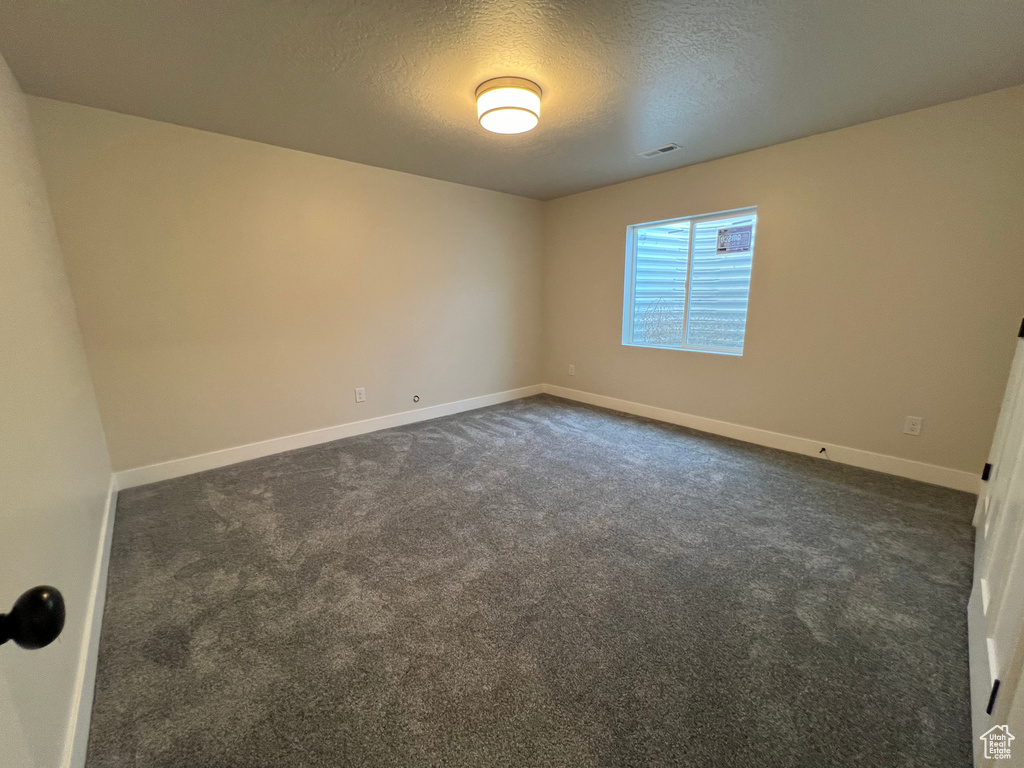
536,584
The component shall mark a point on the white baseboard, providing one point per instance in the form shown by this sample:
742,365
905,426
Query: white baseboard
892,465
129,478
77,738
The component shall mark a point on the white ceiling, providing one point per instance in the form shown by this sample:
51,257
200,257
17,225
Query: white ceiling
391,82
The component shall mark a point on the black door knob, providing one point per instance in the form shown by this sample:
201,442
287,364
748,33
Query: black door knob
36,619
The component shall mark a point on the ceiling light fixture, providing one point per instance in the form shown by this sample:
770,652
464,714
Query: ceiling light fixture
508,105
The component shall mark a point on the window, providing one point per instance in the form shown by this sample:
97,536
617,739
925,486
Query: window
687,282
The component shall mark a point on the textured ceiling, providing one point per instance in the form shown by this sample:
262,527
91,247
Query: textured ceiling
390,82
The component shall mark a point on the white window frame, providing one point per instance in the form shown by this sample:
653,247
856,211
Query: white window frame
630,282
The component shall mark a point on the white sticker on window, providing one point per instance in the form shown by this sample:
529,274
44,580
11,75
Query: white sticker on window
734,239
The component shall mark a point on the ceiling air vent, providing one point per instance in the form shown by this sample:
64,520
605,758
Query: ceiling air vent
662,150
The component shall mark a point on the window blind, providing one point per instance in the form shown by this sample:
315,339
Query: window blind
720,286
659,293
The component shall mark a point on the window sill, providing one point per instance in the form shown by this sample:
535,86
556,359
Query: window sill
705,350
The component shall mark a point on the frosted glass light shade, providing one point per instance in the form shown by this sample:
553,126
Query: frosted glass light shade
508,105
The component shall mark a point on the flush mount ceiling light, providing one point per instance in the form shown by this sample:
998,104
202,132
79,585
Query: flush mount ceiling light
508,105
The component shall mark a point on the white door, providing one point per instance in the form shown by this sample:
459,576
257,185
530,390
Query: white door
996,611
12,739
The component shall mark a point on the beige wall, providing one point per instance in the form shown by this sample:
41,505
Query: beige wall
54,470
888,281
231,292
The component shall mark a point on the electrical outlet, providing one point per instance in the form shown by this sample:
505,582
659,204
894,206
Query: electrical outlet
912,426
360,395
572,369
